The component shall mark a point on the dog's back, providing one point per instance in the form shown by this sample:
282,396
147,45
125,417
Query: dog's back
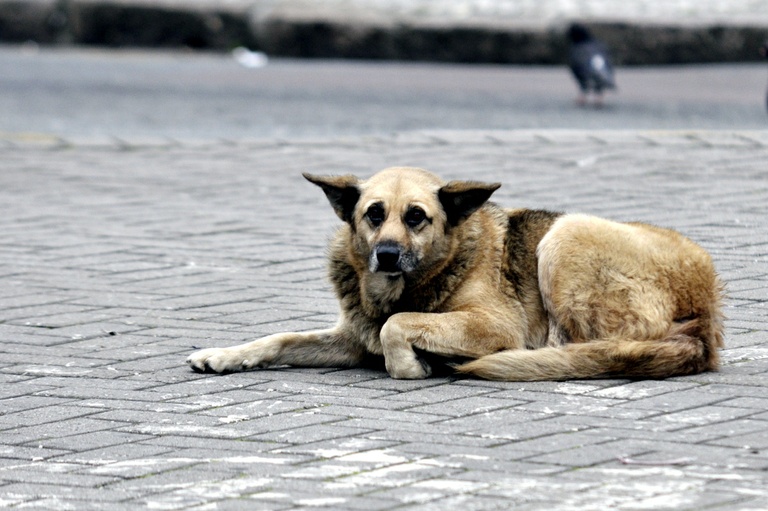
620,299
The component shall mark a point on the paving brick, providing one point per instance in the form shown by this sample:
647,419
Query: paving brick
332,429
434,493
464,407
15,452
435,438
20,475
94,458
45,494
688,435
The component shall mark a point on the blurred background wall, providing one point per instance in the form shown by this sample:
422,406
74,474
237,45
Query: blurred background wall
483,31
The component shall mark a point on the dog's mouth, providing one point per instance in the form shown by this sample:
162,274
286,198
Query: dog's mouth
392,276
391,260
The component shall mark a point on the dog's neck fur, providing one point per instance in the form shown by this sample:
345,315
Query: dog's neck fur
380,296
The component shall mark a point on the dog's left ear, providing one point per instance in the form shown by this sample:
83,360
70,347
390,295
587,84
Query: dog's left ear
462,198
342,192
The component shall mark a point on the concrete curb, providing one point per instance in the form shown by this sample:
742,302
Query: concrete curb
746,139
307,30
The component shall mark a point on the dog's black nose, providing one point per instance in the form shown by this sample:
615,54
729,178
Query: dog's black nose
388,258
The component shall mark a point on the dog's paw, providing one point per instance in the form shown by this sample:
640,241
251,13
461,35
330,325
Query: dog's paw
217,360
413,369
401,361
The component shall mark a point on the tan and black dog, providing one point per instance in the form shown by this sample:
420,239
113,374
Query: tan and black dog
422,266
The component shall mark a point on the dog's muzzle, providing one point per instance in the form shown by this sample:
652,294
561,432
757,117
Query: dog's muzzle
387,257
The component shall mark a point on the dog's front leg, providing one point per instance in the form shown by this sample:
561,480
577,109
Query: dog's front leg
459,334
399,358
318,348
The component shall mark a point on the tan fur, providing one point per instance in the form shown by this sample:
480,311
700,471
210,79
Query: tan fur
426,266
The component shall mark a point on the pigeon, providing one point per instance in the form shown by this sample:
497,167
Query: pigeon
591,65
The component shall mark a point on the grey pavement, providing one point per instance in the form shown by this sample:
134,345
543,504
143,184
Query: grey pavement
118,258
500,31
125,94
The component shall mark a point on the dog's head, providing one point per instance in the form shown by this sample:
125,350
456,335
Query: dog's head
402,218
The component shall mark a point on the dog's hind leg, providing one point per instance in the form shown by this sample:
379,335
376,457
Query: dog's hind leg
318,348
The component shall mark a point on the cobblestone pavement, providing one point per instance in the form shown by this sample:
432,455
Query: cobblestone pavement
119,257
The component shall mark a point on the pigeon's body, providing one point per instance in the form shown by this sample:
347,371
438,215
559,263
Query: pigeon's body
590,63
591,66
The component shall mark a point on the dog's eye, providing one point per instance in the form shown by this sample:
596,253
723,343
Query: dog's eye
415,216
375,215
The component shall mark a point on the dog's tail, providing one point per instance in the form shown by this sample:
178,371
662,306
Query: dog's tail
688,348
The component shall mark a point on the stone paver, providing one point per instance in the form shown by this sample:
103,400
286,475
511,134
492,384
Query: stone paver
119,258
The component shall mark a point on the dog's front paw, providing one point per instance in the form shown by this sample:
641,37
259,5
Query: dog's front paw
217,360
408,368
401,361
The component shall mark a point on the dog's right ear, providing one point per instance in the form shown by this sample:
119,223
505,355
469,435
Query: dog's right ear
462,198
343,192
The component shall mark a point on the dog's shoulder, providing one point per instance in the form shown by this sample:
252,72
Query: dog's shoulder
525,229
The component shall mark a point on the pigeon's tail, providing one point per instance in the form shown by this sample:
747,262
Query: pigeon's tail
688,348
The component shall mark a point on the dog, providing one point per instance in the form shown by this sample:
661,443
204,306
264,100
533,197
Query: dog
424,267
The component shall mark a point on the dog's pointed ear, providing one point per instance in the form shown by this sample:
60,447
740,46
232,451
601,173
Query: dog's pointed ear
462,198
343,192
